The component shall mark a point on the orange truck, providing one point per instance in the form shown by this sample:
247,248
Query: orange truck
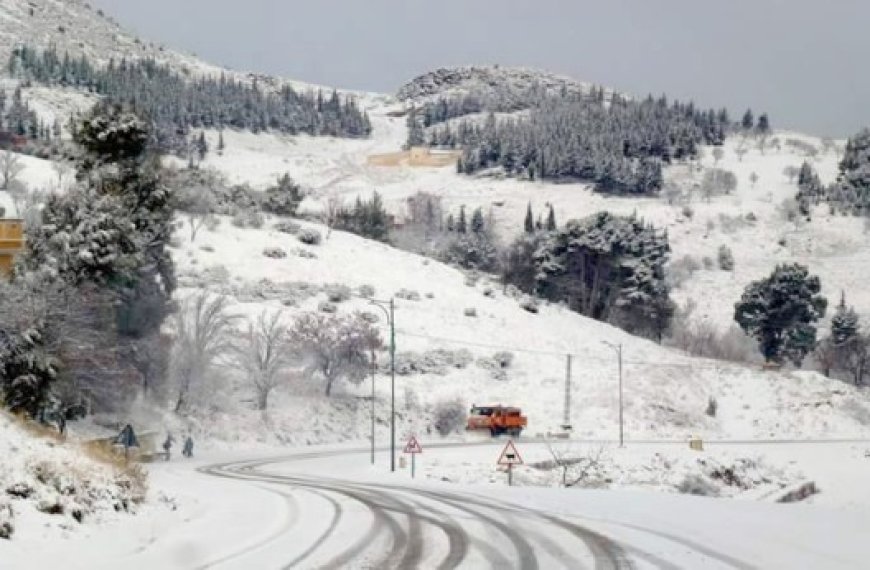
497,419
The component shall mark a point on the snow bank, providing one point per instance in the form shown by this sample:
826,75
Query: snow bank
46,483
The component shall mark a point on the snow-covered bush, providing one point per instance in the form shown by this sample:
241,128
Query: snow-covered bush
248,219
309,236
694,484
366,291
470,312
207,248
688,212
449,416
305,254
6,526
274,252
708,262
327,307
438,362
287,227
407,295
530,304
726,258
712,407
680,270
338,293
497,364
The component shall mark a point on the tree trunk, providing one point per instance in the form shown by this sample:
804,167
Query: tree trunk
262,399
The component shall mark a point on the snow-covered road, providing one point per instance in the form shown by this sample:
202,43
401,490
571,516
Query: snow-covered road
328,507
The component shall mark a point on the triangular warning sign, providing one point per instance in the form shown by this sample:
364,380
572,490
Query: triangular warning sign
510,455
413,446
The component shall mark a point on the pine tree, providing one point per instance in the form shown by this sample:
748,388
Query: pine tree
462,225
551,220
763,126
221,146
416,134
477,223
450,223
780,312
844,323
748,120
529,223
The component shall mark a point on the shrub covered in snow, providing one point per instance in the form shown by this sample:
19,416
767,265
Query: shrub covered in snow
274,252
470,312
60,481
248,219
327,307
309,236
497,364
529,304
694,484
366,291
449,416
407,295
287,227
437,362
338,293
726,258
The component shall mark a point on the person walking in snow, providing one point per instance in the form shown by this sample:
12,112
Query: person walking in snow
188,447
167,445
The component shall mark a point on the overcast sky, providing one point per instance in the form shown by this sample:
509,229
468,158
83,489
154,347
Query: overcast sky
803,61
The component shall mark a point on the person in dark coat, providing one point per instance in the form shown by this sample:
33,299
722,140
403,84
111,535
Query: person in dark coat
167,444
188,447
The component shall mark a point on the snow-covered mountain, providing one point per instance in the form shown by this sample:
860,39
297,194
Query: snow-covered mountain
668,391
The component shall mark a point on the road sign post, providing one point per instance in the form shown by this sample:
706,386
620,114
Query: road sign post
413,448
510,457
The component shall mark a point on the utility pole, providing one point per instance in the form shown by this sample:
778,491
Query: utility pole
393,384
391,313
374,369
618,349
566,420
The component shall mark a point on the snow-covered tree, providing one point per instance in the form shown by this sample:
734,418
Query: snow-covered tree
198,204
264,355
551,219
283,198
851,192
748,122
477,222
334,347
529,222
202,330
780,312
10,168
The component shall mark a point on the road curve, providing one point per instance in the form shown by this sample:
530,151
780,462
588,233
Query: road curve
372,525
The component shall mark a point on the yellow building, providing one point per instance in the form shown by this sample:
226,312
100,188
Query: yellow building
11,244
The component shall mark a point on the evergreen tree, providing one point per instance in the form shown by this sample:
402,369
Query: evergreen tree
551,220
844,324
477,223
763,126
529,223
284,198
780,311
450,223
221,146
851,192
462,225
416,134
201,146
748,122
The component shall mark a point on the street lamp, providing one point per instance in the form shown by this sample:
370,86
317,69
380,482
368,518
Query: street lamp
390,316
618,349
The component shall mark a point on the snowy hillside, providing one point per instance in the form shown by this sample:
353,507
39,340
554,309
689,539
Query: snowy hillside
666,392
50,487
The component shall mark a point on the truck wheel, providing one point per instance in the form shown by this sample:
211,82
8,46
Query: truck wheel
515,432
493,432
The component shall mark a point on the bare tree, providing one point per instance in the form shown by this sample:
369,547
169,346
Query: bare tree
718,154
198,203
18,194
334,206
10,168
576,468
202,334
335,347
264,355
61,170
740,150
